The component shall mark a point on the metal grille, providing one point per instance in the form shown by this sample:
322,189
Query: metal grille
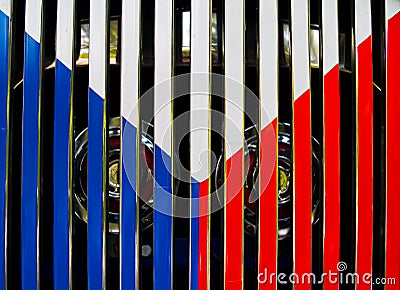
177,144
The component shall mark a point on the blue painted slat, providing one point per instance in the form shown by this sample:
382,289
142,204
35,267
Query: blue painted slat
61,176
194,235
4,34
163,147
95,188
30,138
162,220
128,205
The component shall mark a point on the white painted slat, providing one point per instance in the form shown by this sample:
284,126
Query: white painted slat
162,74
234,76
65,19
97,47
33,16
199,85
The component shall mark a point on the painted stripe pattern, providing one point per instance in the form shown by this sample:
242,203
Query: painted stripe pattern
268,67
30,146
364,121
331,139
199,144
62,146
302,165
97,145
130,143
5,7
163,105
234,134
392,141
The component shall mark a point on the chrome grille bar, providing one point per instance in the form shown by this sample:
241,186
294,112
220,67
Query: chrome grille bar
268,138
6,44
331,138
97,145
302,150
364,139
392,23
30,179
130,144
63,146
163,156
200,143
234,144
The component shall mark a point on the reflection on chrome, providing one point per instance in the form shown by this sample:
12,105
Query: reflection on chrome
285,189
80,194
85,42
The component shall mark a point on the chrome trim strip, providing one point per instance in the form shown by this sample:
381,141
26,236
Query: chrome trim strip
7,8
268,63
31,150
234,66
200,123
98,144
130,130
63,145
164,148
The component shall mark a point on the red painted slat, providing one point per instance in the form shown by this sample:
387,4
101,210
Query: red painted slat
332,173
364,141
302,151
204,236
303,188
268,123
234,64
331,139
268,207
234,223
365,161
392,143
200,122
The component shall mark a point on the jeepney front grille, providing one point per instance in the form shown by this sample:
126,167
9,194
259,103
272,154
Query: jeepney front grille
176,144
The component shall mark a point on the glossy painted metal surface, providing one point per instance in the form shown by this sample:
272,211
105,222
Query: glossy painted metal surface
234,66
163,169
302,150
63,146
392,141
331,139
5,78
364,137
130,144
234,144
31,146
97,145
200,124
268,116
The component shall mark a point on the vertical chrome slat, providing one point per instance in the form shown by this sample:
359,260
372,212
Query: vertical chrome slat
130,143
302,152
392,140
331,138
5,83
234,63
30,195
63,139
200,123
364,139
163,159
268,120
97,145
